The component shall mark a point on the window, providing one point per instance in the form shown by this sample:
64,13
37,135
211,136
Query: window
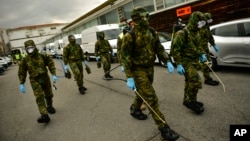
147,4
127,8
173,2
247,29
111,34
102,20
112,17
228,30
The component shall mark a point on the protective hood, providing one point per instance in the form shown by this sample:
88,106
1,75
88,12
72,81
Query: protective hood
101,35
30,47
140,17
72,39
194,21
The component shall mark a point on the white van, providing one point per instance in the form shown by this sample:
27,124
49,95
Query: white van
58,46
89,38
50,50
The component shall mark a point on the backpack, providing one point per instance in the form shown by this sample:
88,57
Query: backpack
177,28
132,33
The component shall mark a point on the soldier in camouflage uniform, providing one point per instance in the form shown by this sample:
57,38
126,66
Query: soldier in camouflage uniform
138,56
207,37
102,51
73,56
187,53
36,64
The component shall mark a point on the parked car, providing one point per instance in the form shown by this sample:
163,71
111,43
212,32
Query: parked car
2,69
165,40
4,63
8,59
233,40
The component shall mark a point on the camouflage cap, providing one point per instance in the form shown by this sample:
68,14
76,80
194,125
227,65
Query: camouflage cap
138,13
29,43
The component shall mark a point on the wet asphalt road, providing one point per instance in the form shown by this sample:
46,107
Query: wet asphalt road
102,114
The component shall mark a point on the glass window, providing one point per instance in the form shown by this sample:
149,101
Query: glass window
169,3
147,4
159,4
228,30
112,17
111,34
247,29
102,20
127,10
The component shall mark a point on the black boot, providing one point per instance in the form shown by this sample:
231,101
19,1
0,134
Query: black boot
195,106
107,76
211,82
43,119
168,134
84,88
137,113
81,90
51,109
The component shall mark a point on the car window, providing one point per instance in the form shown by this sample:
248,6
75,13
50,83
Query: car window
228,30
164,37
247,28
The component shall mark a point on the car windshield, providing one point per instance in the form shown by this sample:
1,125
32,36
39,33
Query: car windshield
111,34
164,37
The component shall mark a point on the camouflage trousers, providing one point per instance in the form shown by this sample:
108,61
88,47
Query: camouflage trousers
205,70
77,69
106,61
143,80
192,81
41,86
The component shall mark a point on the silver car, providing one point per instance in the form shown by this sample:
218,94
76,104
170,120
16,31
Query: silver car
233,40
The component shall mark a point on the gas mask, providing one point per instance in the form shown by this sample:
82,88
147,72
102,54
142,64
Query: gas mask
30,49
210,21
201,24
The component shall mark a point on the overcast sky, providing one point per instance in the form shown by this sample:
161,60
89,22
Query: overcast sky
17,13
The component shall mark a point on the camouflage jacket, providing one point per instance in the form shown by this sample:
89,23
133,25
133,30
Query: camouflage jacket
141,52
206,37
186,48
35,65
102,47
72,53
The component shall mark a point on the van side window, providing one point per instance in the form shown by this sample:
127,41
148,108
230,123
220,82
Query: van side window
247,29
227,31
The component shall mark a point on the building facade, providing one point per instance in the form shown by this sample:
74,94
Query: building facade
38,33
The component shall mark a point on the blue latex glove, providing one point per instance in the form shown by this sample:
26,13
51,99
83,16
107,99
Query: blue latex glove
122,69
86,62
22,88
203,58
216,48
66,67
131,83
97,58
113,54
54,78
170,67
180,69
